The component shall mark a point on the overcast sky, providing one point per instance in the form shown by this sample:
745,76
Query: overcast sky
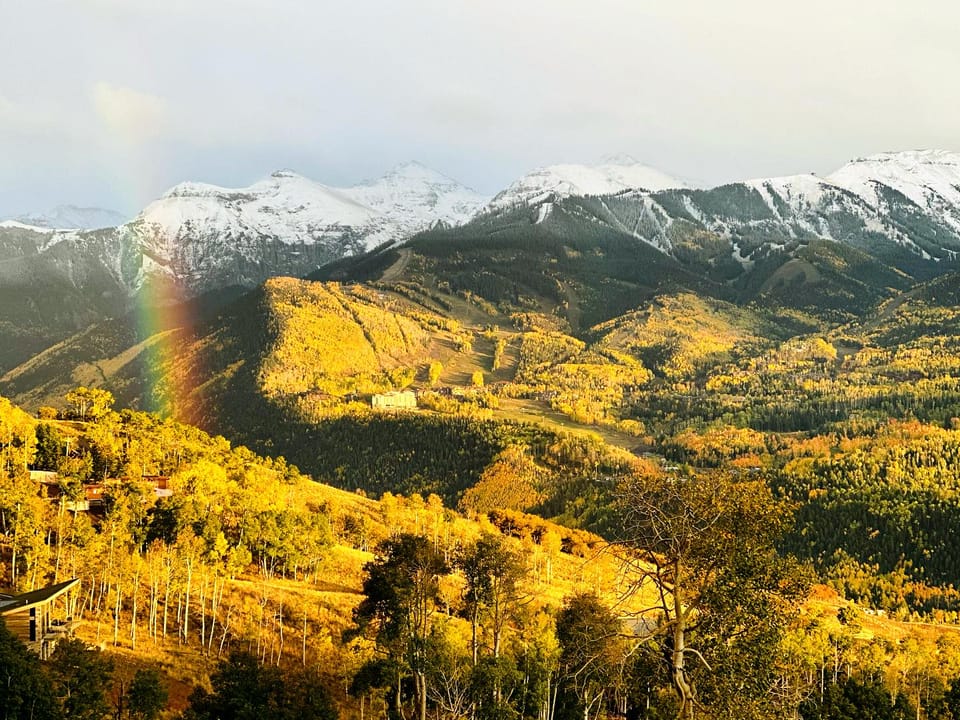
109,102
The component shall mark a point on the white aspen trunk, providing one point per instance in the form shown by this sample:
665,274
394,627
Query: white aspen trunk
203,611
116,617
133,610
186,603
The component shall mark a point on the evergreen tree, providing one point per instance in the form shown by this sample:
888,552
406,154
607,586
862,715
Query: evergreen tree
400,591
50,448
26,692
242,689
592,653
146,696
82,676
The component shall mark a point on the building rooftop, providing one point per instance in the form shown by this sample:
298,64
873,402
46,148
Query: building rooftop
9,603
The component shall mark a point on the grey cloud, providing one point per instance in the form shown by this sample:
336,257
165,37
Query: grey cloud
109,101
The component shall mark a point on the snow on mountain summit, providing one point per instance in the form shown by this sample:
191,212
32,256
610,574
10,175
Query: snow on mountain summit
414,197
294,209
612,175
286,223
285,207
911,199
927,177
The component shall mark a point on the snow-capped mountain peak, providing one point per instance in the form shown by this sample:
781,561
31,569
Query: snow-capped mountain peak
413,171
208,235
923,176
285,173
195,189
414,197
614,174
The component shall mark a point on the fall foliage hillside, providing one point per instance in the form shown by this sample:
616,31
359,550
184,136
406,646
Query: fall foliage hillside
246,554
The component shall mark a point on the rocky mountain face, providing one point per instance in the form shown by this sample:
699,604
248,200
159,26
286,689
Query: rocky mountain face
54,283
901,208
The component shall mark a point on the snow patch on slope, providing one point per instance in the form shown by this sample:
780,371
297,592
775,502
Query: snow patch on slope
17,225
795,190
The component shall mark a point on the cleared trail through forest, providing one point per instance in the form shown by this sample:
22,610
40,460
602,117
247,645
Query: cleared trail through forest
396,270
888,309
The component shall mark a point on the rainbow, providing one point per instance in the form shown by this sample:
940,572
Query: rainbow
165,317
165,323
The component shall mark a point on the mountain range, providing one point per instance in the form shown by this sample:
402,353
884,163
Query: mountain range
879,222
204,237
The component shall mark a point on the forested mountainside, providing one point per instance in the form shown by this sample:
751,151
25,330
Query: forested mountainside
784,345
847,410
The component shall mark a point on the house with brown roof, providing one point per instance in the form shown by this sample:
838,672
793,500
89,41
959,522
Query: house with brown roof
35,619
91,500
161,484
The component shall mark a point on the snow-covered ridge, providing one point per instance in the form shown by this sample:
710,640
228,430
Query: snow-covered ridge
930,179
919,175
203,236
285,206
71,217
206,236
17,225
293,209
923,176
908,199
613,175
414,196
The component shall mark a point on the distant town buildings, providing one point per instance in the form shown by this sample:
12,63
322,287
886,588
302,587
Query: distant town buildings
90,497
